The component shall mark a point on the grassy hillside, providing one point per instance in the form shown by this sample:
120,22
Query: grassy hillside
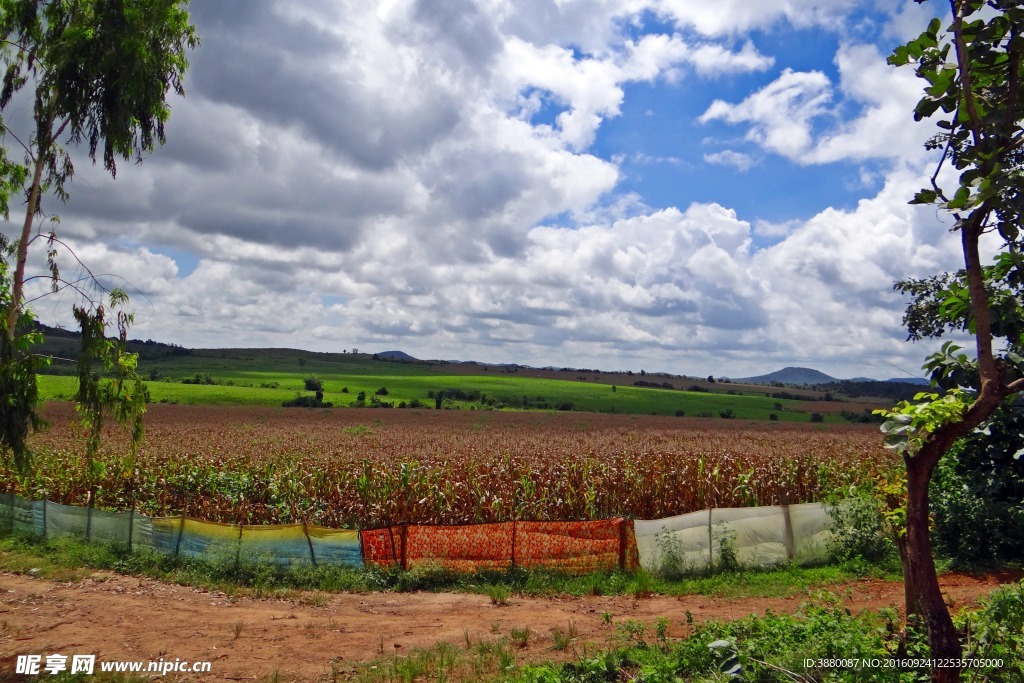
270,376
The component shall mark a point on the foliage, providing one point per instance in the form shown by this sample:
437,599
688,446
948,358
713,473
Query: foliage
313,383
973,72
18,368
859,528
316,401
772,648
978,494
124,394
997,633
201,378
99,72
909,424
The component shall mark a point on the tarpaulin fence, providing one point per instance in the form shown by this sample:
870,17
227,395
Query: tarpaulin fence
281,544
752,537
571,547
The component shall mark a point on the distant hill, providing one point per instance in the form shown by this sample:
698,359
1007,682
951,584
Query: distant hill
395,355
909,380
790,375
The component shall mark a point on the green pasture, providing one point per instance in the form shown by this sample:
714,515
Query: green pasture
269,380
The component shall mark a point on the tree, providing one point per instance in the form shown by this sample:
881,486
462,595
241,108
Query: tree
99,72
973,69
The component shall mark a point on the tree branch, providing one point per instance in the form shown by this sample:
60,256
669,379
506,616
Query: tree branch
965,70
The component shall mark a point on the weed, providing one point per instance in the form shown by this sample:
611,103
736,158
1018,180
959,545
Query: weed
498,594
661,633
725,539
631,633
236,629
560,638
520,636
643,585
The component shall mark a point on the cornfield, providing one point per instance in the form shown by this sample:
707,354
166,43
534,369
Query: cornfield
348,468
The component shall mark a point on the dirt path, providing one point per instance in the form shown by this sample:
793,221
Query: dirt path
306,638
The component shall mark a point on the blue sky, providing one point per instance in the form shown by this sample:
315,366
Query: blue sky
676,185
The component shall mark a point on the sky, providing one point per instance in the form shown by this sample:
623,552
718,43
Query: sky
671,185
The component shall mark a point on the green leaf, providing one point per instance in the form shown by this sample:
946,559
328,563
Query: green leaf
925,197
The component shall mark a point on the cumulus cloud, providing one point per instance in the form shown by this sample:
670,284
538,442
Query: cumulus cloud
431,178
799,114
736,16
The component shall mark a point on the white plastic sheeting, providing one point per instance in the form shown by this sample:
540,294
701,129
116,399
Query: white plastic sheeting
753,537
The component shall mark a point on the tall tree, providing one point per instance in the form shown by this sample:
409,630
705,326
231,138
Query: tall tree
973,70
99,73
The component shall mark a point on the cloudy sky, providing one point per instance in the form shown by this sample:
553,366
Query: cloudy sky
676,185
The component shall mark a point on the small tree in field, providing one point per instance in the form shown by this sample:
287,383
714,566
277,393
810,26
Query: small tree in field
97,72
973,69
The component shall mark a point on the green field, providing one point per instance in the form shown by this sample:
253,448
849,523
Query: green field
268,377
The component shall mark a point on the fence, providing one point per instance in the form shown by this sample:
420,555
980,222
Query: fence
280,544
571,547
697,541
753,537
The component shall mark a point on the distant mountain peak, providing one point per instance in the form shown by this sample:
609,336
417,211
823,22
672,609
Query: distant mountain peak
395,355
790,375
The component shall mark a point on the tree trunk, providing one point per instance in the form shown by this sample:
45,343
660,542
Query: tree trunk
910,605
919,577
18,286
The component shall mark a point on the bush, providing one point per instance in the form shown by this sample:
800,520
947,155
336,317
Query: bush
200,378
680,413
727,414
313,383
977,494
307,402
817,417
383,391
858,529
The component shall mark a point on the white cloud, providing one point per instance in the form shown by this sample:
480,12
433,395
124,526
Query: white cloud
727,157
736,16
780,113
800,114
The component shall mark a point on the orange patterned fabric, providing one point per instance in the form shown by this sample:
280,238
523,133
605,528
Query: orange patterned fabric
572,547
378,547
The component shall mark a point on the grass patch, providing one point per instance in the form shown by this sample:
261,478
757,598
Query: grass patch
246,382
770,648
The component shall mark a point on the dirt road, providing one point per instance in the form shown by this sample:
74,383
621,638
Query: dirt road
311,635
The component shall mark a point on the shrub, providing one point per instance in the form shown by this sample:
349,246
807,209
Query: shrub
772,417
858,529
680,413
383,391
307,402
727,414
977,494
817,417
313,383
200,378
